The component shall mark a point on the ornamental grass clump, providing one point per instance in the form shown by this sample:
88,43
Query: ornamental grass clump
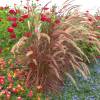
52,51
82,27
50,58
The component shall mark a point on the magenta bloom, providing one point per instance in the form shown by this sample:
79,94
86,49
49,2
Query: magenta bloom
9,18
14,24
10,29
12,11
2,80
44,18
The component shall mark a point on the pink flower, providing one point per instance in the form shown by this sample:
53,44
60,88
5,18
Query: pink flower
8,96
19,98
3,91
2,80
36,30
30,94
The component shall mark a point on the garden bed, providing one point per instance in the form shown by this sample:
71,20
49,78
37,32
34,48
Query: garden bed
40,47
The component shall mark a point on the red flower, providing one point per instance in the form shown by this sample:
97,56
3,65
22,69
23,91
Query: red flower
11,18
14,24
2,79
44,18
57,21
0,50
21,20
12,11
97,17
12,35
30,94
25,16
28,34
10,29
